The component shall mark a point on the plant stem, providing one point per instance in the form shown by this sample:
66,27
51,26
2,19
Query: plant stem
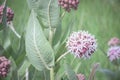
12,28
73,60
27,74
51,74
51,33
63,14
63,55
92,74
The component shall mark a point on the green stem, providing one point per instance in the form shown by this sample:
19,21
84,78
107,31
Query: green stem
63,55
92,74
35,72
51,33
51,74
49,23
13,29
63,14
27,74
73,60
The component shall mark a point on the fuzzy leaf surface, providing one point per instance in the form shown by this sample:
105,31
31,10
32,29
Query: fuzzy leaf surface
48,11
39,51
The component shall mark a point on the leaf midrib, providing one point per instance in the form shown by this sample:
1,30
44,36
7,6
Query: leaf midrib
36,47
49,22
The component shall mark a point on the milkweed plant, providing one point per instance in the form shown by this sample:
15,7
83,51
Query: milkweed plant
43,46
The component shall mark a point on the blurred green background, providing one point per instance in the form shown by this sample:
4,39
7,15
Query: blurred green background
99,17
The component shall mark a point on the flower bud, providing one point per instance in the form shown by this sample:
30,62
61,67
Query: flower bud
68,4
4,66
9,14
80,77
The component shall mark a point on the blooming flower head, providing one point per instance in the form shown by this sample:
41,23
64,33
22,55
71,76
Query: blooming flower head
81,44
69,4
9,14
80,77
114,41
113,53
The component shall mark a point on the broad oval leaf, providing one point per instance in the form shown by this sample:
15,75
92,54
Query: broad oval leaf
48,11
39,51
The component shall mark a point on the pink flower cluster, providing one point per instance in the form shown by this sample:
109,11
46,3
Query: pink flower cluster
81,44
80,77
69,4
114,41
4,66
9,14
114,49
114,53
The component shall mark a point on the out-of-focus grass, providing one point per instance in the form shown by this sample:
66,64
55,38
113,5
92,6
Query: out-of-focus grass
101,18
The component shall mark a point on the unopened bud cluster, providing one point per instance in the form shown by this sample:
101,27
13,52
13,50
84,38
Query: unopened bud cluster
4,66
9,14
80,76
69,4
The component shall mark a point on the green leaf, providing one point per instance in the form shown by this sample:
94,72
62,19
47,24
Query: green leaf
1,27
39,51
4,17
20,52
42,75
60,50
69,72
3,24
48,11
57,35
13,70
21,15
67,31
1,50
23,68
